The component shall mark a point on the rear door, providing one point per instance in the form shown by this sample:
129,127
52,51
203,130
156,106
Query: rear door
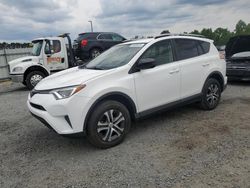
109,39
159,85
106,40
193,64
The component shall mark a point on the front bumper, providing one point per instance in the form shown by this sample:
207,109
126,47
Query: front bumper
16,77
66,116
238,74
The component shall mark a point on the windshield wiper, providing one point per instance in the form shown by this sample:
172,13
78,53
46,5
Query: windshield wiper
95,68
82,66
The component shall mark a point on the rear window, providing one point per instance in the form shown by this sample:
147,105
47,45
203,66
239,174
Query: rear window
86,36
189,48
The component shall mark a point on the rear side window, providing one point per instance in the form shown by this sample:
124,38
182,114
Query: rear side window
189,48
116,37
105,37
205,46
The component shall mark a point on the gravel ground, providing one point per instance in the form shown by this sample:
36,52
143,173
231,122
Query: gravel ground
186,147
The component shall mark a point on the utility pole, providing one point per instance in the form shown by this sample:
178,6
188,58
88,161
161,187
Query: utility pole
91,25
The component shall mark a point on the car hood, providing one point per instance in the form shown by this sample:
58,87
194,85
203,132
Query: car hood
22,59
69,77
238,47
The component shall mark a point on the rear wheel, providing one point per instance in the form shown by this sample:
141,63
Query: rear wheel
33,78
211,94
95,52
108,124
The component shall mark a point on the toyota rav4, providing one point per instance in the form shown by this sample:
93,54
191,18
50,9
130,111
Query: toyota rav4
129,81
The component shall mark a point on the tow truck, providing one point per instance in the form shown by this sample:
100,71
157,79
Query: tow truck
49,55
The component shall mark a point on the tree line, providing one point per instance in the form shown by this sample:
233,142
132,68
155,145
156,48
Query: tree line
222,35
14,45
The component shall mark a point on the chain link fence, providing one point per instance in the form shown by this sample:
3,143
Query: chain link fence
7,55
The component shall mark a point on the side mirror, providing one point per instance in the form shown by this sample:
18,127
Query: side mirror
146,63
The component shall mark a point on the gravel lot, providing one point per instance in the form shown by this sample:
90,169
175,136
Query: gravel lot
186,147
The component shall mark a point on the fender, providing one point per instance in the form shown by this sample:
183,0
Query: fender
36,67
219,76
118,96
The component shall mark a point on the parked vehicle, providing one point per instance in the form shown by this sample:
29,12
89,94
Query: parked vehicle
49,54
90,45
238,58
129,81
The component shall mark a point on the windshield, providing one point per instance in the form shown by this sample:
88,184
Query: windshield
37,46
115,57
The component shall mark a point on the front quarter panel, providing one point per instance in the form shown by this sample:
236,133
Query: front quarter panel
25,66
115,81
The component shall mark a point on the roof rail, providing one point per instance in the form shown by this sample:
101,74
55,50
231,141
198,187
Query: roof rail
181,34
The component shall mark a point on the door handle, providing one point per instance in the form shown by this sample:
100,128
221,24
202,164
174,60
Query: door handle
205,64
174,71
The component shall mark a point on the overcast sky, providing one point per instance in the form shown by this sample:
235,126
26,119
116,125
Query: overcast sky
28,19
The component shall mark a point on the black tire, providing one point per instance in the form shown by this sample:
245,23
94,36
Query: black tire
24,83
211,94
95,52
32,83
100,132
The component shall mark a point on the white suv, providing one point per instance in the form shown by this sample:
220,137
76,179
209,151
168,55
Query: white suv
127,82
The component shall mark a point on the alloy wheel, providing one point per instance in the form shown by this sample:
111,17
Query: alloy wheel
95,53
213,94
35,79
111,125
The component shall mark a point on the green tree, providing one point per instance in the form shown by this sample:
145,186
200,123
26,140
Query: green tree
222,36
241,28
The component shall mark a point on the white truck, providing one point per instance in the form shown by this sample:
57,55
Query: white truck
49,54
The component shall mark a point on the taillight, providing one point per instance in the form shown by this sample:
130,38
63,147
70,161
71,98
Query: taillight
84,42
222,55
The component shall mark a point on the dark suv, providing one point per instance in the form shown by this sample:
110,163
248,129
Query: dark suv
90,45
238,58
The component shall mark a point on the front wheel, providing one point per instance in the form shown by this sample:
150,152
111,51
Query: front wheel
33,78
211,94
108,125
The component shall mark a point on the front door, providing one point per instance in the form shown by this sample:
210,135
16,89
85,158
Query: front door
159,85
54,55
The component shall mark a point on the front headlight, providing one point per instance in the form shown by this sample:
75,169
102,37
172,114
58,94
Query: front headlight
67,92
17,69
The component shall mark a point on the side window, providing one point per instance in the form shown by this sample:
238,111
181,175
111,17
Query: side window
53,46
116,37
186,48
47,49
56,46
161,52
105,37
205,46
